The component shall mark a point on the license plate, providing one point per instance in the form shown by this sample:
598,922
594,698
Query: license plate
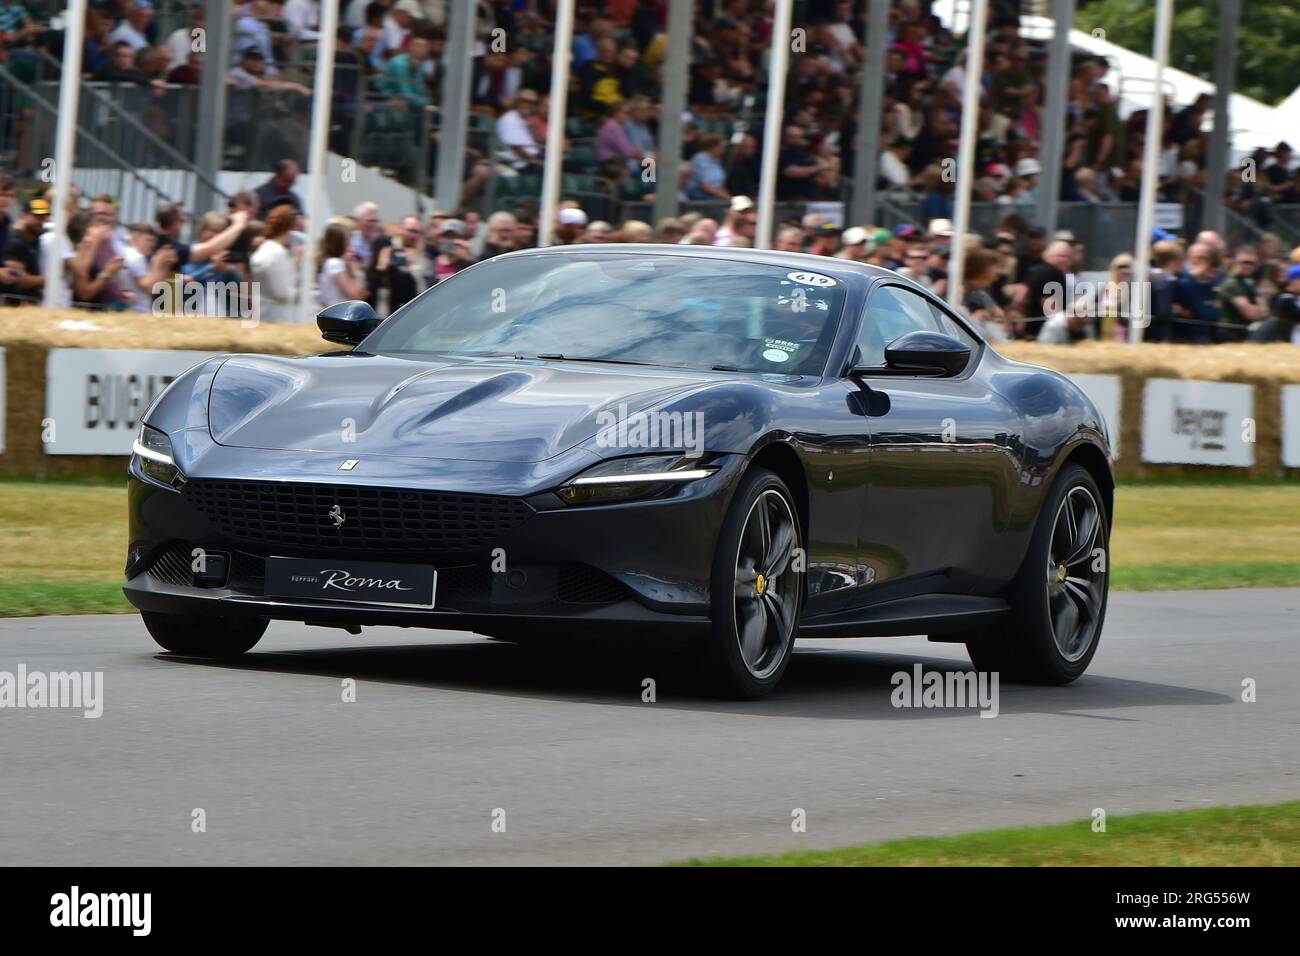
361,582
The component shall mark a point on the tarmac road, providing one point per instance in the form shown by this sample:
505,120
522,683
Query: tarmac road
446,728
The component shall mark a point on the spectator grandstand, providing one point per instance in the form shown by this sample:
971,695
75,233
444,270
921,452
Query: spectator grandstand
144,62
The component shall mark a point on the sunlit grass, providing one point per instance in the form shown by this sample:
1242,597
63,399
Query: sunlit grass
62,545
1221,836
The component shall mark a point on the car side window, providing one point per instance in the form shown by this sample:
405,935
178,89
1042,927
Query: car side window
950,326
893,311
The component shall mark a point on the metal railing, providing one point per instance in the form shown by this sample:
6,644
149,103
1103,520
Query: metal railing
99,168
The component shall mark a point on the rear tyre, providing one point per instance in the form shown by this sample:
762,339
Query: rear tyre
1058,598
756,588
203,636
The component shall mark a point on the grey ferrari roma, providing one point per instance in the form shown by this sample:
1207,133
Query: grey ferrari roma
736,446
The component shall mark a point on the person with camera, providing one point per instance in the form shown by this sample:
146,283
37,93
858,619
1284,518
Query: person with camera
453,250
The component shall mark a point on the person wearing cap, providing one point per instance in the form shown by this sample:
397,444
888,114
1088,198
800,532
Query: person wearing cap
398,22
855,245
254,72
570,224
740,222
452,250
826,240
252,31
22,257
134,28
1284,323
884,249
1028,170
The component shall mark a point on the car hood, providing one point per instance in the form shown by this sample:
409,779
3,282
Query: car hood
355,405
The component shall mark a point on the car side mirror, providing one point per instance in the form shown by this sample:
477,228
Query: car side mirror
347,322
924,351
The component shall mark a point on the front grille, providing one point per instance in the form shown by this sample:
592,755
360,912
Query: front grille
373,519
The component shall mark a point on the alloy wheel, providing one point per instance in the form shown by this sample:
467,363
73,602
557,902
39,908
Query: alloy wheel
1076,579
767,586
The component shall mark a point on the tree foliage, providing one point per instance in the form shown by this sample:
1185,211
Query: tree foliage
1268,44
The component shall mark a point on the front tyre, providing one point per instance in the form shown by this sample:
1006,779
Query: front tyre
1058,599
756,589
203,636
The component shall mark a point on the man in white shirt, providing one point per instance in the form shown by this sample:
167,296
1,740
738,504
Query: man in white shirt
893,164
398,22
520,149
133,29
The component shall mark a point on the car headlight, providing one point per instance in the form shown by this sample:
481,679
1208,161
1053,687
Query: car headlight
151,457
623,479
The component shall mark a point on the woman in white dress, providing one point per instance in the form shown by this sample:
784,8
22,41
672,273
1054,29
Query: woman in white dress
339,277
273,269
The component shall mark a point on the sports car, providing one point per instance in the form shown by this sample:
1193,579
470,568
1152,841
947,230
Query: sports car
740,447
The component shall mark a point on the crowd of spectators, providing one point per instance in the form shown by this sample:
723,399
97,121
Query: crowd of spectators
1018,282
1201,290
396,49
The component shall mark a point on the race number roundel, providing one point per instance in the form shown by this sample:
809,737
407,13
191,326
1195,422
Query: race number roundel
810,278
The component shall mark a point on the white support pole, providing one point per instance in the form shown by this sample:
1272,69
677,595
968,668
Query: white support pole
65,145
1140,310
772,122
322,98
554,159
970,121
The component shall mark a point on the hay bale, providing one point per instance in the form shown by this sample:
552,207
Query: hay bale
28,333
1267,367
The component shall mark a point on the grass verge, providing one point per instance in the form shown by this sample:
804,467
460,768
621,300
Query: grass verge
1220,836
61,544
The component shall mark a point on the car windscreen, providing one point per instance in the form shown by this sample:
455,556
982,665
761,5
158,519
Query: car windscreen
655,309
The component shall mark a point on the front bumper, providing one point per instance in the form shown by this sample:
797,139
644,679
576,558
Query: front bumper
636,563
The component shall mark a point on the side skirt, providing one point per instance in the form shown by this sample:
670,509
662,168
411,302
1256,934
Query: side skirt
943,617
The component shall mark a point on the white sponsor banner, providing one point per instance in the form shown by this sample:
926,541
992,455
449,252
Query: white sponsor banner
1197,423
1105,392
3,393
94,397
1291,426
1169,216
832,212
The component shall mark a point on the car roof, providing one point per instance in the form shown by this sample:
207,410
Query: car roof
845,270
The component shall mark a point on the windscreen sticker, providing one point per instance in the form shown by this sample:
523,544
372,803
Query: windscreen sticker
779,350
810,278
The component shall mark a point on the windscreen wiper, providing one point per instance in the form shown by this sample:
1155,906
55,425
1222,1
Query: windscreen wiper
557,357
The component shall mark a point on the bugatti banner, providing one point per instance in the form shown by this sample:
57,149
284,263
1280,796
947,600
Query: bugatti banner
1198,423
94,397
